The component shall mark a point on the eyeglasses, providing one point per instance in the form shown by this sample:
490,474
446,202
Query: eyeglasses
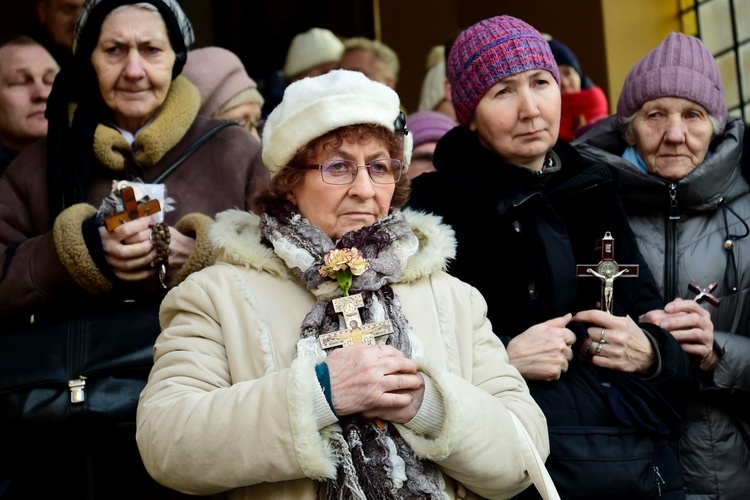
342,172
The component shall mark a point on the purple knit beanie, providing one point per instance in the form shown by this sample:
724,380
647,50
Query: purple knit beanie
489,51
428,126
680,66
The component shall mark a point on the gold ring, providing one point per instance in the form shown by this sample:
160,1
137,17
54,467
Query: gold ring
599,348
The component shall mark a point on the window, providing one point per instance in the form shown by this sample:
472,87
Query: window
724,27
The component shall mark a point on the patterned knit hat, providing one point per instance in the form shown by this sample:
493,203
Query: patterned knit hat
489,51
312,107
680,66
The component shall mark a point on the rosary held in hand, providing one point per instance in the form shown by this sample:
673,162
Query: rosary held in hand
160,238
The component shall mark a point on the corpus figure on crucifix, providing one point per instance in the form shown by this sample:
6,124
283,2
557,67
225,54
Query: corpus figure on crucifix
607,270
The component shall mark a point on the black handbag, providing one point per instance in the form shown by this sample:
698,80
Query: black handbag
91,365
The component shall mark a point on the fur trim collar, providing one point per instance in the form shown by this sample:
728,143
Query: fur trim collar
236,236
169,126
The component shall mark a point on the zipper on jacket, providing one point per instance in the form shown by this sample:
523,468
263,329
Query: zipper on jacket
659,479
670,252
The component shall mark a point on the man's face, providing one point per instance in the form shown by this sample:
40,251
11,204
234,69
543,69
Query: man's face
26,76
59,18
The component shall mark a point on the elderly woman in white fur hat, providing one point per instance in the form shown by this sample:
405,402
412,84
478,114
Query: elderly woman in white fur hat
330,333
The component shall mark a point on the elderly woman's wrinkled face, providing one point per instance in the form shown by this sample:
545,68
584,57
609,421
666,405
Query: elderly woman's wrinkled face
133,61
247,115
338,209
519,117
672,136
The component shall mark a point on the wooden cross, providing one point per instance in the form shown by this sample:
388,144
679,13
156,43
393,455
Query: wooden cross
132,211
356,332
607,270
705,293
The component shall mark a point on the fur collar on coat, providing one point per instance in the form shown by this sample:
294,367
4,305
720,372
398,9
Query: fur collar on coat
236,235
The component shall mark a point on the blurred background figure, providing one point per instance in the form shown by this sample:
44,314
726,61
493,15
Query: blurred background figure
57,20
428,127
373,58
583,103
27,71
227,91
435,94
312,53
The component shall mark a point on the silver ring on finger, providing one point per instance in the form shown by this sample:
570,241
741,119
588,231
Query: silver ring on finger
599,348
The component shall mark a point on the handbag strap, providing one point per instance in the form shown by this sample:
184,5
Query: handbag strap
534,464
194,147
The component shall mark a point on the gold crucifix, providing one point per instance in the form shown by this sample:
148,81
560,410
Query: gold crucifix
356,332
607,270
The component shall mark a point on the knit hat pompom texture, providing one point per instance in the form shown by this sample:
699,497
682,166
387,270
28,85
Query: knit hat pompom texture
312,107
489,51
680,66
219,75
312,48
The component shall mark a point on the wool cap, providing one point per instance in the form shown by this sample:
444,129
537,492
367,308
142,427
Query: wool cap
94,12
563,55
680,66
312,107
219,75
428,126
312,48
433,87
489,51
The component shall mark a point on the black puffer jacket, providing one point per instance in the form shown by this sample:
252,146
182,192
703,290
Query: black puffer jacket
520,235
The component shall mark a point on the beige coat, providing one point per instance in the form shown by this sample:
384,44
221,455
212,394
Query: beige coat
230,403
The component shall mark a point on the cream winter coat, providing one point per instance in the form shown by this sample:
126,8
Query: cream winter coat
230,406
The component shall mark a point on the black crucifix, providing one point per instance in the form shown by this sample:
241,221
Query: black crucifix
132,210
607,270
356,332
705,293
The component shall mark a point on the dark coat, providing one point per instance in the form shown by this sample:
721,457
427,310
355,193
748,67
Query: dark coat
520,235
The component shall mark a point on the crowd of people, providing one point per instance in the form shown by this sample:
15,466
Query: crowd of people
505,293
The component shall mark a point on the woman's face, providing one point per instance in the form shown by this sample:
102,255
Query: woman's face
570,80
519,118
672,136
247,115
133,62
339,209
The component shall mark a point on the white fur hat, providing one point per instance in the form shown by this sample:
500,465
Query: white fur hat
312,107
312,48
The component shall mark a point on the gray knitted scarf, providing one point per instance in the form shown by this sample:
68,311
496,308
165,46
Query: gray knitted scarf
373,462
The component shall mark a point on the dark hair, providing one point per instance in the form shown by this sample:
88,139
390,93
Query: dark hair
290,176
17,39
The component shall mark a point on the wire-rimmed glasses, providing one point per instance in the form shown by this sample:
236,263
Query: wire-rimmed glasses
341,172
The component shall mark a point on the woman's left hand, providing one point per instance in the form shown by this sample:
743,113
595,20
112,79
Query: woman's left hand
625,347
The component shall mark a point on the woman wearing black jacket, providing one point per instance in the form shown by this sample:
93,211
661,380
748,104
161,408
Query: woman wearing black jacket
527,213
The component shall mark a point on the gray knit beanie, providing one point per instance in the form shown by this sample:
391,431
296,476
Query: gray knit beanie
680,66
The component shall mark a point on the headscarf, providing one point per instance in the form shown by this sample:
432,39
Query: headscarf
69,144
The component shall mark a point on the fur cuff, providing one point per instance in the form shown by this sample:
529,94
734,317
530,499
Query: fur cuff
72,251
311,445
197,226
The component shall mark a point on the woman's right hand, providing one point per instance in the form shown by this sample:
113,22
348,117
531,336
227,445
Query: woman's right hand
128,249
543,351
377,381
